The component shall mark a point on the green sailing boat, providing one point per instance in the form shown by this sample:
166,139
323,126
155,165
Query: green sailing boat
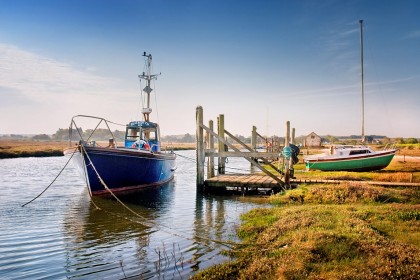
352,158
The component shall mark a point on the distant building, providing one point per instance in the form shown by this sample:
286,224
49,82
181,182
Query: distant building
312,140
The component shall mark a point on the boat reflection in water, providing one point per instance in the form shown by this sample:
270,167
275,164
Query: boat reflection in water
165,238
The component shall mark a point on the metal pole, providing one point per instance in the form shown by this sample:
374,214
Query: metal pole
362,76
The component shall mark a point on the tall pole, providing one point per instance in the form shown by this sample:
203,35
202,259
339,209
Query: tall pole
362,76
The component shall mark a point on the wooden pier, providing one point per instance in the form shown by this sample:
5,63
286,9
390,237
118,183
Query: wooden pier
243,182
259,183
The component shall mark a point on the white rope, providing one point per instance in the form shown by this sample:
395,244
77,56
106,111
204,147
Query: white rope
59,173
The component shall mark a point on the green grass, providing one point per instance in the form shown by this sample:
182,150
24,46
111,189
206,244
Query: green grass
346,231
346,192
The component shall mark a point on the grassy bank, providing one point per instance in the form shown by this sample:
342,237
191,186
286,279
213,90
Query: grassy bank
29,148
344,231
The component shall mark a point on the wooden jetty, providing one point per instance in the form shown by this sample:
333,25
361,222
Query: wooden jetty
206,149
243,183
259,183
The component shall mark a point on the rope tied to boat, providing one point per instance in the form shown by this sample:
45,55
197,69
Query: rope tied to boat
59,173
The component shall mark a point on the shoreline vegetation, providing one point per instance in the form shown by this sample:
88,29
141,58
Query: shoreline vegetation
32,148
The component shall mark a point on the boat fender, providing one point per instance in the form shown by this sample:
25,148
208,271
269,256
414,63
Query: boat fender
143,145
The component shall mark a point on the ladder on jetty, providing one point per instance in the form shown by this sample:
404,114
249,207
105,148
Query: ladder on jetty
205,148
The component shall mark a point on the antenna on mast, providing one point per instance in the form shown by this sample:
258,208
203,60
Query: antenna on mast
147,76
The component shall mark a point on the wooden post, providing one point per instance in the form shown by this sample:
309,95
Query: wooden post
221,146
287,139
200,149
287,162
253,142
254,138
210,160
293,136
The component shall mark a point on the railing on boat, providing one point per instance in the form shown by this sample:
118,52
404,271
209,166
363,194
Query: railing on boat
112,141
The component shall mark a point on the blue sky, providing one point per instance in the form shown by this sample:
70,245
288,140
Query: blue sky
257,62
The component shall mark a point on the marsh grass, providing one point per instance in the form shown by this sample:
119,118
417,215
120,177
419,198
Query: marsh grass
31,148
21,148
346,192
344,231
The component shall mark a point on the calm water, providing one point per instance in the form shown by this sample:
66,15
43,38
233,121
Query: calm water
62,235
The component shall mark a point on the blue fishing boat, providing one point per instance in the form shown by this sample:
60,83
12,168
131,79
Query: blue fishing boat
138,163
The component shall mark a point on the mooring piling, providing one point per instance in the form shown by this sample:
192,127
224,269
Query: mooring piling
199,149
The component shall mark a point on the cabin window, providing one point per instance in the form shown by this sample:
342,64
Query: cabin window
149,134
133,134
359,152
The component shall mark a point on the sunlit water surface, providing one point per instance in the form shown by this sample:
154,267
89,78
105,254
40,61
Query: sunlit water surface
63,235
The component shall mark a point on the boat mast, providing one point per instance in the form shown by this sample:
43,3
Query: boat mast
362,76
147,76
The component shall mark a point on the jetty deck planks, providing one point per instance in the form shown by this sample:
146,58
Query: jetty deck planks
246,182
243,180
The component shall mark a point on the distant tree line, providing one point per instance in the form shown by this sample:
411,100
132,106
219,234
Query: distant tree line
101,134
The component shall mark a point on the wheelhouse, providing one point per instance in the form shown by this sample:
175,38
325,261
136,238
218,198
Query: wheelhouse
140,130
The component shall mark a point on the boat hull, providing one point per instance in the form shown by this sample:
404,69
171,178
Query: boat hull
122,170
361,163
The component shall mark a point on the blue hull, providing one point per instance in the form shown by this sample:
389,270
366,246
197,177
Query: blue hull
123,170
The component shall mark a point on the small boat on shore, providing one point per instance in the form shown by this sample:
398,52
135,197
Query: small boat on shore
352,158
138,164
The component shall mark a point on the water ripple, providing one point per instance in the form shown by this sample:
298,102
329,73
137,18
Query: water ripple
62,235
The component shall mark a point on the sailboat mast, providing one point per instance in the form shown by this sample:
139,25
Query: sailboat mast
147,76
362,76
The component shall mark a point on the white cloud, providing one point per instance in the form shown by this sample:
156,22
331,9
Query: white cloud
413,34
31,74
46,92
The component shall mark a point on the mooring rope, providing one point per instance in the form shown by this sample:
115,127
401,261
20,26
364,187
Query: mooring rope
75,149
187,158
172,231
